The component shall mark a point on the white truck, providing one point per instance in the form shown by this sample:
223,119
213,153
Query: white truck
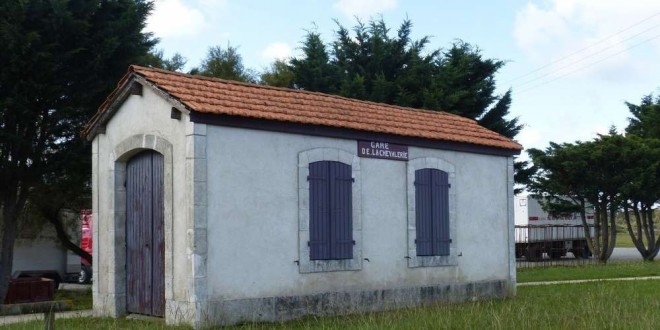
38,253
539,233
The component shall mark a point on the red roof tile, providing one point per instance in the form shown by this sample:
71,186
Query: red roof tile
216,96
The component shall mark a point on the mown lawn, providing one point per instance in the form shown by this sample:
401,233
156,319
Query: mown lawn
623,240
596,305
629,305
591,271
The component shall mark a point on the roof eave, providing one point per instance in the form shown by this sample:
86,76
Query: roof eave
127,88
108,109
348,133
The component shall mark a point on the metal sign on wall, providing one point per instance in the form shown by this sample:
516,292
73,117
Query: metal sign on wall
382,150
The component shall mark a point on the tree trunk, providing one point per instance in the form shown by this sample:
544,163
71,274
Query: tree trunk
645,239
612,226
653,242
62,235
603,239
636,239
9,218
604,228
591,245
596,237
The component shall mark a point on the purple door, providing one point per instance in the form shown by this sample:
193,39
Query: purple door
145,246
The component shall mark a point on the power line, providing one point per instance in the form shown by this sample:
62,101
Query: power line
583,49
587,57
590,65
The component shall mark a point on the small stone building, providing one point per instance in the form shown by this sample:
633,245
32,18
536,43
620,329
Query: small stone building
219,202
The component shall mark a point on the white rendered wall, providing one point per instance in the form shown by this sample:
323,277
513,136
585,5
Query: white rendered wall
233,210
142,122
253,218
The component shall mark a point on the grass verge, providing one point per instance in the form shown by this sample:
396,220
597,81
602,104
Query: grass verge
587,272
597,305
82,299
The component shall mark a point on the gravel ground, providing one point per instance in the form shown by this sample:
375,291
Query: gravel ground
75,286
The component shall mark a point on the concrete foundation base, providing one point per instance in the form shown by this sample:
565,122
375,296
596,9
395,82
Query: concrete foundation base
277,309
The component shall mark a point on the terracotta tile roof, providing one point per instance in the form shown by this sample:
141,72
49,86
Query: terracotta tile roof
216,96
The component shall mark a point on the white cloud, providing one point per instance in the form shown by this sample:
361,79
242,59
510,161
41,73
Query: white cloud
175,18
555,30
213,4
276,51
529,136
364,8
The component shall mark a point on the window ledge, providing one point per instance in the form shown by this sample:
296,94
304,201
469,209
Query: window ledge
432,261
318,266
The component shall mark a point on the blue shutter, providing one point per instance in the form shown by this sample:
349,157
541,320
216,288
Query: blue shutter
330,211
423,212
319,211
341,215
432,212
440,193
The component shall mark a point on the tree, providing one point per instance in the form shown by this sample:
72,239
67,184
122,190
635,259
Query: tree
279,74
314,72
371,65
465,85
383,66
61,58
573,176
226,64
156,59
523,172
645,120
612,173
642,190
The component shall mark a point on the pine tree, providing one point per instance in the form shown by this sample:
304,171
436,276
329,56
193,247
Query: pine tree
60,59
369,64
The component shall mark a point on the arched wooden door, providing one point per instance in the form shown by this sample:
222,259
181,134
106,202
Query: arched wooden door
145,246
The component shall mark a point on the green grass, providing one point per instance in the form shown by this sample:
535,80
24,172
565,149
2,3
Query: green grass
576,306
596,305
623,240
592,271
89,323
81,299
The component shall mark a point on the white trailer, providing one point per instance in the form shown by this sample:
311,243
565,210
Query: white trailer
40,254
45,257
538,232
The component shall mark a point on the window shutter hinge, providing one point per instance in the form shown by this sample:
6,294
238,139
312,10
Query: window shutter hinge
450,241
352,179
354,242
308,243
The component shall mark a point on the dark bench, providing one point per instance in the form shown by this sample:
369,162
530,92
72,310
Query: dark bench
49,308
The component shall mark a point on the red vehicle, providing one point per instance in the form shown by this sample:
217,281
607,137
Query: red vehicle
86,245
